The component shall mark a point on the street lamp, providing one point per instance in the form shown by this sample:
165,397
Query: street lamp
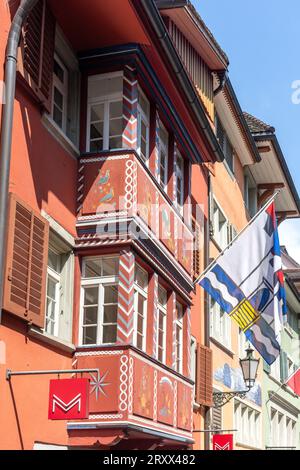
249,366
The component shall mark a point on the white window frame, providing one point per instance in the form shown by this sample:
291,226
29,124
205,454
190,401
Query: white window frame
138,290
162,310
142,117
100,282
179,174
248,422
220,236
193,347
220,324
275,369
63,89
279,431
179,324
165,147
106,101
54,275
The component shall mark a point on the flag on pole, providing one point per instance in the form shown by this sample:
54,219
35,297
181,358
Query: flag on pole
294,382
248,283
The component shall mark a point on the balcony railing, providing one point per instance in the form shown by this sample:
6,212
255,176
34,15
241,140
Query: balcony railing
117,186
136,392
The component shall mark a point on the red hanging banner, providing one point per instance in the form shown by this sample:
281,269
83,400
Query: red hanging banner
69,399
222,442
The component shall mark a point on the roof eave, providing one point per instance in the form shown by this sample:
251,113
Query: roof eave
263,136
240,116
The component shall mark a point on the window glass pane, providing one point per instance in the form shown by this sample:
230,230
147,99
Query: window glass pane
139,341
57,116
51,288
91,296
90,335
90,315
109,334
115,142
141,277
103,86
97,130
58,98
58,71
110,294
110,313
162,296
115,109
96,145
92,268
97,112
110,266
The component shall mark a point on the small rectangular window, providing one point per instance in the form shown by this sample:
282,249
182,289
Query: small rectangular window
179,337
58,314
99,300
143,127
161,324
179,174
140,306
163,156
105,112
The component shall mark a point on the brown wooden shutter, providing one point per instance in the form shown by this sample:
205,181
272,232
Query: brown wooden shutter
204,388
38,51
197,248
26,263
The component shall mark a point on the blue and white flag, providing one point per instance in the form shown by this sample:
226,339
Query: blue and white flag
248,283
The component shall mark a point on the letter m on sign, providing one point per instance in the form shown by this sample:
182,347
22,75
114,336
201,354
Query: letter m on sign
69,399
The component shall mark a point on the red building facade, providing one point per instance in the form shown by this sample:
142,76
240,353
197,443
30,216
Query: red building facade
101,244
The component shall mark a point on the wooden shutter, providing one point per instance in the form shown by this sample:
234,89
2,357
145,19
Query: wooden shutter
204,387
26,263
197,248
216,417
38,51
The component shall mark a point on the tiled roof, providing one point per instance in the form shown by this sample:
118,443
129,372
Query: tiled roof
257,126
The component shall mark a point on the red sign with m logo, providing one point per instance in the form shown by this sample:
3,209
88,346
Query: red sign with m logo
69,399
222,442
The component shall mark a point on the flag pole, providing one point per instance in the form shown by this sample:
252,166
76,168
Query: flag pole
209,267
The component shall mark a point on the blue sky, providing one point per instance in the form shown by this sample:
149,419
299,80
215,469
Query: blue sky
262,41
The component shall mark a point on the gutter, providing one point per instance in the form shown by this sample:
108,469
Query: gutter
159,27
270,136
7,122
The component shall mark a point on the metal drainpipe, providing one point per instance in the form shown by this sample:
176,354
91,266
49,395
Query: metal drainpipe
6,124
206,308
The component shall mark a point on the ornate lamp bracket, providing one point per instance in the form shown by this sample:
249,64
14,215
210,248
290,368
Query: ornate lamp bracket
221,398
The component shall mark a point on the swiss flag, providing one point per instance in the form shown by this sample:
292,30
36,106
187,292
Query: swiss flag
294,382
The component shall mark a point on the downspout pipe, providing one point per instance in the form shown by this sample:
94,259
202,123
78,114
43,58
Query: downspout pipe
206,303
6,124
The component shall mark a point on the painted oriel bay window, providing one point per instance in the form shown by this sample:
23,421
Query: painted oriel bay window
99,301
105,112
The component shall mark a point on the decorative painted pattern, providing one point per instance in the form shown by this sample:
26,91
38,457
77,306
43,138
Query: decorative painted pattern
125,327
123,397
130,102
131,185
155,315
188,317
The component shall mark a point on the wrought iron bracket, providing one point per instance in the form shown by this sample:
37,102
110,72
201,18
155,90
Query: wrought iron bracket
221,398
